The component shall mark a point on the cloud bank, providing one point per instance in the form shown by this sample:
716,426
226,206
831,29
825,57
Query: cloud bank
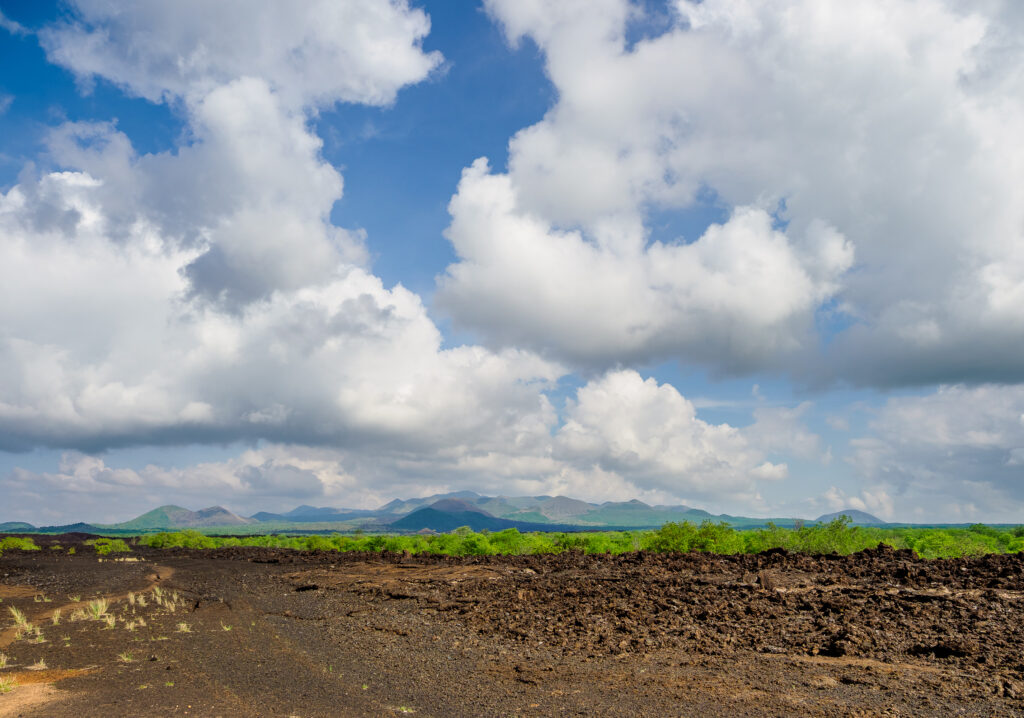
863,160
867,155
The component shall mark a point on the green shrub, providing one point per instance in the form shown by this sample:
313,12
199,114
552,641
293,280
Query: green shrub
474,544
672,537
13,542
834,537
189,538
106,546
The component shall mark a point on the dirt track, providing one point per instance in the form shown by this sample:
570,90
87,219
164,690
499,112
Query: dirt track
280,633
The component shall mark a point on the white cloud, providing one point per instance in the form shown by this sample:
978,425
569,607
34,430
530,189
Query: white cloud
203,294
650,434
875,501
318,53
736,295
251,191
623,438
12,26
780,430
952,453
888,127
103,344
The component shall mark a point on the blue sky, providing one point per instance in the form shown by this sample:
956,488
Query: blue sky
604,249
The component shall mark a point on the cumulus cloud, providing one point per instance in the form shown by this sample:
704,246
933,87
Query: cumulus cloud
738,293
202,294
881,132
324,52
650,433
875,501
623,437
250,194
104,344
955,452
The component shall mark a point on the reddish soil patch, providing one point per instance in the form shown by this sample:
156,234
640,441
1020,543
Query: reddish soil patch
281,633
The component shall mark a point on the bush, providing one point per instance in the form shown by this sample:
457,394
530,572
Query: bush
834,537
474,545
672,537
190,538
23,544
105,546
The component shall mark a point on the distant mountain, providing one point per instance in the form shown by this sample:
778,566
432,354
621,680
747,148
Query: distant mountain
440,512
405,506
77,528
442,521
553,509
856,517
13,527
449,514
456,506
176,517
637,513
310,514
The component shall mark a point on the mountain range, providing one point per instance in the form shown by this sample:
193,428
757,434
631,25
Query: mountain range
440,512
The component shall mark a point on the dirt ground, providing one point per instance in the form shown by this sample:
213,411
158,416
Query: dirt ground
266,632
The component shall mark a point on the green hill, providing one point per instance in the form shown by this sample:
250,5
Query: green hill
13,527
173,517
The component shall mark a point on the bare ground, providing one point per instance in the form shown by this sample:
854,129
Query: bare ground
282,633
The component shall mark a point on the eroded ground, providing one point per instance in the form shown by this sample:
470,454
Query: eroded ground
262,632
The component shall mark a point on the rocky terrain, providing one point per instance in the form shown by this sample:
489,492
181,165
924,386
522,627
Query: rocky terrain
272,632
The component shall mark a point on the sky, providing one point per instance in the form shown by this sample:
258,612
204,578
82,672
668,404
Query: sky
762,258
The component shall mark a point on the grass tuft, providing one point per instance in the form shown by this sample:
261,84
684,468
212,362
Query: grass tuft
7,684
19,618
125,657
184,628
97,608
39,665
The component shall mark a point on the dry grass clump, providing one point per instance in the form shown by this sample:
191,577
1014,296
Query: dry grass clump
97,608
19,618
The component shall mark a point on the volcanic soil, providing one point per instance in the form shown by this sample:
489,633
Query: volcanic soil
268,632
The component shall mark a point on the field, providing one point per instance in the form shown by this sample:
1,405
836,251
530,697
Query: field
269,631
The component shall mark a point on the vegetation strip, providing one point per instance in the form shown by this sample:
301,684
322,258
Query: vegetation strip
837,536
834,537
